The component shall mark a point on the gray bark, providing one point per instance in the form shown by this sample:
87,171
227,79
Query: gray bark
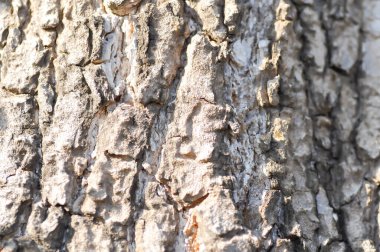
173,125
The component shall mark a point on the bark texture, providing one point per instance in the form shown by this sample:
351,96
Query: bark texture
198,125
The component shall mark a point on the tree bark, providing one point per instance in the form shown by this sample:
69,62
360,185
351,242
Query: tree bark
172,125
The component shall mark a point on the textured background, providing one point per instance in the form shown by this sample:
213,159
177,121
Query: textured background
198,125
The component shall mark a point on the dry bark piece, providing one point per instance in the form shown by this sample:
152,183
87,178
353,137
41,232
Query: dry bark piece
121,7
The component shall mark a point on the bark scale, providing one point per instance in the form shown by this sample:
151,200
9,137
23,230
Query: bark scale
171,125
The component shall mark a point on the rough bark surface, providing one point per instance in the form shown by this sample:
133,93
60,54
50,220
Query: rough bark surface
173,125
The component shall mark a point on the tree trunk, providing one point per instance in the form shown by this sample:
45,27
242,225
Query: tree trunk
172,125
